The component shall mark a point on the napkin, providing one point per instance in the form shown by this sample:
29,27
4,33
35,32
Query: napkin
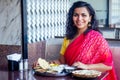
14,57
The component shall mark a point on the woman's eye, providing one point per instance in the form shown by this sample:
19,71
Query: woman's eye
84,15
75,15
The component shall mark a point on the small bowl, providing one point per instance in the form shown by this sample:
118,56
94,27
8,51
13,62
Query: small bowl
69,69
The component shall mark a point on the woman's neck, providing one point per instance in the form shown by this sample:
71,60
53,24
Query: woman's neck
80,31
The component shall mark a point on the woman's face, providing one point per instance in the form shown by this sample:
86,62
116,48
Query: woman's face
81,18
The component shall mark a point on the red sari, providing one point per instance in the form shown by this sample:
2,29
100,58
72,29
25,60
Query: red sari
91,48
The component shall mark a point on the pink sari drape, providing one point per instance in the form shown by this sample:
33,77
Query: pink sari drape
91,48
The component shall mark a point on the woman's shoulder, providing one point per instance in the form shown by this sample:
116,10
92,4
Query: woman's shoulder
97,36
97,33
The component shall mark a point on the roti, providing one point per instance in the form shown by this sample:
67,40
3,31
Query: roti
43,63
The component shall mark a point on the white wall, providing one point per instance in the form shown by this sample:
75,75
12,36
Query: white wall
10,22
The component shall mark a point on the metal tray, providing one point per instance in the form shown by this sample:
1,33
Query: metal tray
66,70
51,74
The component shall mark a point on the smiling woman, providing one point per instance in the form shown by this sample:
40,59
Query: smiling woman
83,45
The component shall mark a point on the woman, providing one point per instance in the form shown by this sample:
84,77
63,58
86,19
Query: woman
84,46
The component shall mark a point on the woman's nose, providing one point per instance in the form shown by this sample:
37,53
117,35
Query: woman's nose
79,17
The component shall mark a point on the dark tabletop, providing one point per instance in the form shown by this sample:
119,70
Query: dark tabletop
30,75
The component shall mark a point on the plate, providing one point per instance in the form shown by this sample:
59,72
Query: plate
50,73
69,69
86,73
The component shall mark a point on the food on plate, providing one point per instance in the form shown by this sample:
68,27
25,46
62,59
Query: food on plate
37,67
86,73
52,65
52,71
41,70
69,69
50,68
58,68
43,63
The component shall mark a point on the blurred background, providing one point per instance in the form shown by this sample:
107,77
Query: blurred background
45,19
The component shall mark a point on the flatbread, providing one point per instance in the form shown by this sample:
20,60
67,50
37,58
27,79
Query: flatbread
43,63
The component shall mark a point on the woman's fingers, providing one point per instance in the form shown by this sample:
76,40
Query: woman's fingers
54,62
35,64
80,65
76,64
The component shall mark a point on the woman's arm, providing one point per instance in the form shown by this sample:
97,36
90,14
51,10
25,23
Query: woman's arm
99,66
61,60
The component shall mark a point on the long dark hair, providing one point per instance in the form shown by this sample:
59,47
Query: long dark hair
70,29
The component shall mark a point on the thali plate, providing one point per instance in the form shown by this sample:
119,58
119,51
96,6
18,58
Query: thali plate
51,74
61,70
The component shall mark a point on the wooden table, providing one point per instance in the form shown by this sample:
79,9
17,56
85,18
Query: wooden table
29,75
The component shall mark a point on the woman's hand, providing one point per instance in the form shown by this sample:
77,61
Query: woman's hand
54,62
80,65
99,66
61,60
35,64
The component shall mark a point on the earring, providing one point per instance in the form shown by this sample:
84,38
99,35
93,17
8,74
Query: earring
89,24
